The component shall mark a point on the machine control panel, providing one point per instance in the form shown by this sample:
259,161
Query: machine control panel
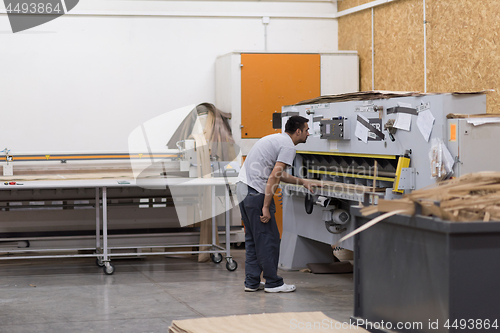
335,129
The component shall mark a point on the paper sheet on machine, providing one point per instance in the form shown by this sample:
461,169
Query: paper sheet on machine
361,131
425,121
403,120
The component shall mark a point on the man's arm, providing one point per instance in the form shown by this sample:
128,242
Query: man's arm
272,185
278,174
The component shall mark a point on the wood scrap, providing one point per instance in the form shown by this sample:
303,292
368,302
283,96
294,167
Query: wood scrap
370,210
486,217
478,199
472,197
389,205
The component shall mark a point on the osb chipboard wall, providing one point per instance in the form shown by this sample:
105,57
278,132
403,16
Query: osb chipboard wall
355,34
399,45
462,50
463,47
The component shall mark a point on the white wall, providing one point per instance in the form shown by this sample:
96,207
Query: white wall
84,82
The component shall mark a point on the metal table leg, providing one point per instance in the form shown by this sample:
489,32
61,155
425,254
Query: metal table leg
214,220
216,257
228,225
108,268
98,227
231,265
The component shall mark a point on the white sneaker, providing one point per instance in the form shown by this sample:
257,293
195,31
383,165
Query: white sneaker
285,288
260,287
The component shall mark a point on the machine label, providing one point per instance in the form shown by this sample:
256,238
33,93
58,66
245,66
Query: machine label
423,107
320,106
374,126
377,124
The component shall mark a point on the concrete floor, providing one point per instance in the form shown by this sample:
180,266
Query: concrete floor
145,295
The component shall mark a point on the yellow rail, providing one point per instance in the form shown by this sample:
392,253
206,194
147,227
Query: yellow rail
388,157
352,175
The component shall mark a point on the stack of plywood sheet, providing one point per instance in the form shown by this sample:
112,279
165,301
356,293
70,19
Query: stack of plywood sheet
265,323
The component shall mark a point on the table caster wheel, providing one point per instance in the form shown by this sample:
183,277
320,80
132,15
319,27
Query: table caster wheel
98,262
231,265
108,268
216,257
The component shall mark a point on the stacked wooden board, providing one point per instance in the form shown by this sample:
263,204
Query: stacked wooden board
375,95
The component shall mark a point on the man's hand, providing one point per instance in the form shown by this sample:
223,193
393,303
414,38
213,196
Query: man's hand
309,185
266,215
300,181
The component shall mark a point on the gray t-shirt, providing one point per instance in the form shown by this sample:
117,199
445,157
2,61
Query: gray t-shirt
263,156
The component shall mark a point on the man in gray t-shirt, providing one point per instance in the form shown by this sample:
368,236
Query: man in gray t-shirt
264,168
263,157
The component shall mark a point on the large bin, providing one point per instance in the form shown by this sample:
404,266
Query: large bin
411,270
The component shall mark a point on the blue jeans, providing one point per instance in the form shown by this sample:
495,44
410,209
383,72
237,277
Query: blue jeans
262,240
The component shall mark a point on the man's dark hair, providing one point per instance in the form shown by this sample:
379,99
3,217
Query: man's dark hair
294,123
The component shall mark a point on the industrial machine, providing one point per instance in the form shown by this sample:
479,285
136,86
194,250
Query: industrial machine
364,146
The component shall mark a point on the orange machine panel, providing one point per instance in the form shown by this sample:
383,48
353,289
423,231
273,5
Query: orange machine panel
269,81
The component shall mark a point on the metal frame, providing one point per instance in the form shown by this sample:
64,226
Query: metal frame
102,249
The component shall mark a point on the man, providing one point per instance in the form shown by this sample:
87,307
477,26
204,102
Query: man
259,178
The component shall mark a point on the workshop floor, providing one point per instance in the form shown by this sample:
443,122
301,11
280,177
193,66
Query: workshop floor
145,295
